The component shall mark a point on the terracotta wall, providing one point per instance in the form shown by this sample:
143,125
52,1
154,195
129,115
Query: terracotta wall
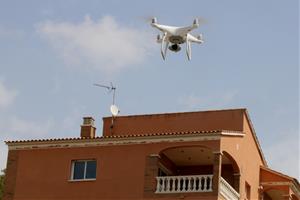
246,154
126,171
11,175
267,176
44,173
175,122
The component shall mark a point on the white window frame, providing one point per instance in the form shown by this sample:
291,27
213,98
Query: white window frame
84,172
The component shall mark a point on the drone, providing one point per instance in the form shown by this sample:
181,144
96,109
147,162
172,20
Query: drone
175,36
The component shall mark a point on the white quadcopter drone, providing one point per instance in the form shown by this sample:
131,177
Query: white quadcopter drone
175,36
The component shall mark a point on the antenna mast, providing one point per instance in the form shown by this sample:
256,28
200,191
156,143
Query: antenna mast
113,108
110,88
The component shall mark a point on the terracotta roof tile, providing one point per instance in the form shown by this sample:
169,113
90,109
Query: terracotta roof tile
121,136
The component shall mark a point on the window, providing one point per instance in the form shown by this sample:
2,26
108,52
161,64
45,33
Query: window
84,170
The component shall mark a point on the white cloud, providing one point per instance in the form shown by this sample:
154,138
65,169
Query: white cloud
7,96
190,101
102,44
15,128
193,101
28,129
6,32
3,155
284,154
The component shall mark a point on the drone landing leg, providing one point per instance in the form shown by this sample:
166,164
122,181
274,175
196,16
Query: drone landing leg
164,46
188,50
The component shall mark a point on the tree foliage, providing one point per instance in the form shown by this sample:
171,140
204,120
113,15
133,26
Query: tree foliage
2,175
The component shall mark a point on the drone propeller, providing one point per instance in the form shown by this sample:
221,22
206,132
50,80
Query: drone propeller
200,20
154,20
147,19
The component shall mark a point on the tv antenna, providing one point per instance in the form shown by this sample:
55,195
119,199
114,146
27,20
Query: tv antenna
113,108
110,89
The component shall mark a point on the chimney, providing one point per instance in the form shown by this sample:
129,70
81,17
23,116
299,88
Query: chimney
87,128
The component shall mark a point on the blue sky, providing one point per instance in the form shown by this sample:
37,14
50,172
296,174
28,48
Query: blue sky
52,52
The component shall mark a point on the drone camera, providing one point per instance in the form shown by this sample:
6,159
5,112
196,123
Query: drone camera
175,47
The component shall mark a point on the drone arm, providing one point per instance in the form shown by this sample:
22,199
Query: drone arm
187,29
192,38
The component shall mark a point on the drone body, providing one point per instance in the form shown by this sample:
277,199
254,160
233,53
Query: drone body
172,37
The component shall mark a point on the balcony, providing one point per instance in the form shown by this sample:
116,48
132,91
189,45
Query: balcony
196,183
190,170
183,184
227,191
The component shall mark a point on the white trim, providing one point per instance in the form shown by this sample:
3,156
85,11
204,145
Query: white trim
276,183
227,191
72,170
81,180
112,141
232,134
84,172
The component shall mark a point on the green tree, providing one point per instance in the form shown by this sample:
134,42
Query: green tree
2,175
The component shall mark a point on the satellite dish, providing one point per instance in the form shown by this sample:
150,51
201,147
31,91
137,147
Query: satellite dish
114,110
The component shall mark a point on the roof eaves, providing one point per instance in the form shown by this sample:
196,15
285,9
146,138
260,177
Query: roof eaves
255,137
294,181
276,172
114,136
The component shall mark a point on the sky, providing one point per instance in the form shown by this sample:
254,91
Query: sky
52,52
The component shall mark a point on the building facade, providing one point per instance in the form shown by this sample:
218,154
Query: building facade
207,155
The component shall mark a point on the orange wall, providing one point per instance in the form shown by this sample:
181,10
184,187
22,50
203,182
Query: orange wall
246,154
175,122
267,176
44,173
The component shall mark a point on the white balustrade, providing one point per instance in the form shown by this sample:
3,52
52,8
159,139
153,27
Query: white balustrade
227,191
182,184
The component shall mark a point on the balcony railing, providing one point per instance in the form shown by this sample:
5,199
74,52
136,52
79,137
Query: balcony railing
227,191
184,184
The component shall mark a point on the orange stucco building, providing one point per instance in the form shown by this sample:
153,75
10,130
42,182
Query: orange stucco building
207,155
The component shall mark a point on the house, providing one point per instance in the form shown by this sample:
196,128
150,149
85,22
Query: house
207,155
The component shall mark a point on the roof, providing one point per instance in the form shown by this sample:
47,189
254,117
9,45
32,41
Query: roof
177,113
280,174
224,119
122,136
278,178
255,138
228,119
